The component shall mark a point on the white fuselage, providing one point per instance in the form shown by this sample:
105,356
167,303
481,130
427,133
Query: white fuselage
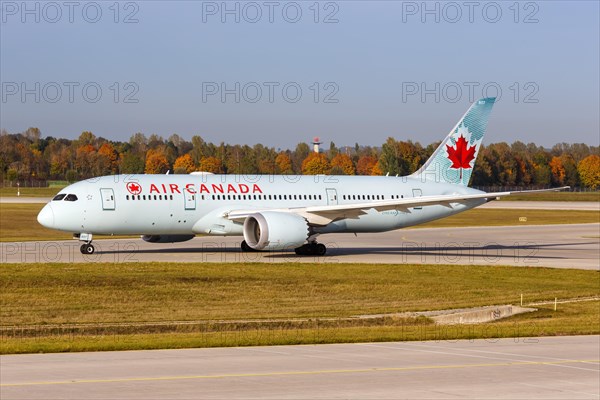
199,204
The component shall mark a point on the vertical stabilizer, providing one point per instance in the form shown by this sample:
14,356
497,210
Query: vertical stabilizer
453,161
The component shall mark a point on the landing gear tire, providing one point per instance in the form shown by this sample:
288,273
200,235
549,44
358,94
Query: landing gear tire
311,249
246,248
87,248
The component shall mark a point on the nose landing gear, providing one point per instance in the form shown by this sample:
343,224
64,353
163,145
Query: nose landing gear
86,247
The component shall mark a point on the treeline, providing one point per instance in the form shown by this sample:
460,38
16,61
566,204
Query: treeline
26,157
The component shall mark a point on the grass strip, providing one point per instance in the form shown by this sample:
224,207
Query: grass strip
18,222
569,319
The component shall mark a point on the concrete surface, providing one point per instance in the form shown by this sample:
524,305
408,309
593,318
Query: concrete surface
557,246
532,368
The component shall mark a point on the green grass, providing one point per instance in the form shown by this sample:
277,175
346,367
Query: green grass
43,295
503,217
30,192
18,221
569,319
555,196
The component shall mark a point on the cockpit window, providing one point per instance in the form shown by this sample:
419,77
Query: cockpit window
59,197
71,197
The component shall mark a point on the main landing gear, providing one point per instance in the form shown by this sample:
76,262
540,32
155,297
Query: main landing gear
86,247
311,249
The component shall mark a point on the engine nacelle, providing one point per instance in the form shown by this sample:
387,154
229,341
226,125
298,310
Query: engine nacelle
272,230
167,238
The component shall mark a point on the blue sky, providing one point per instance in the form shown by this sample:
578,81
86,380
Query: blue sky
370,68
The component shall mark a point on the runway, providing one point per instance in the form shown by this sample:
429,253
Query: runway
535,368
557,246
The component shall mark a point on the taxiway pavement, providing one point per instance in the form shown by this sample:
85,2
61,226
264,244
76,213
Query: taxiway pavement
533,368
557,246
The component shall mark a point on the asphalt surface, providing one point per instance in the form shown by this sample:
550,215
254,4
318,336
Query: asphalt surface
557,246
532,368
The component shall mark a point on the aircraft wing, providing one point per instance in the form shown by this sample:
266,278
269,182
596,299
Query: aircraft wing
322,215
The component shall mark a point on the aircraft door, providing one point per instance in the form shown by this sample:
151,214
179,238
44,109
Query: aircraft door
108,198
417,193
190,200
331,197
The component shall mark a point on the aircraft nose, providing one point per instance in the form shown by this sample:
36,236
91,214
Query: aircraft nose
46,216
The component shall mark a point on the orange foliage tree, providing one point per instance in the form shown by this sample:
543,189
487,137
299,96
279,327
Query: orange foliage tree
365,165
343,163
211,164
589,171
184,164
315,164
156,162
284,164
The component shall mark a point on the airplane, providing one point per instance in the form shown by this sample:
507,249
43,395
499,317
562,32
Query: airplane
277,212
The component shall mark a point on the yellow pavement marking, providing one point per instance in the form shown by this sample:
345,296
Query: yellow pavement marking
291,373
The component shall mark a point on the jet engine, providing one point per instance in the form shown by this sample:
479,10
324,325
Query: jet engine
272,230
167,238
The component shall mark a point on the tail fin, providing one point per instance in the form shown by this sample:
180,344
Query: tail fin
454,159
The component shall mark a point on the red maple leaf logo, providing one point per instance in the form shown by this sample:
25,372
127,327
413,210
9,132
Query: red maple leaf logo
134,188
461,155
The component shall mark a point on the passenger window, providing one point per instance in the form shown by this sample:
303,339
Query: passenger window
319,197
71,197
154,197
59,197
127,197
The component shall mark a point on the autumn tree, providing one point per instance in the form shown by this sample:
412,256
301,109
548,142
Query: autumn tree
558,170
184,164
365,165
156,162
211,164
342,164
284,164
315,164
109,158
589,171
